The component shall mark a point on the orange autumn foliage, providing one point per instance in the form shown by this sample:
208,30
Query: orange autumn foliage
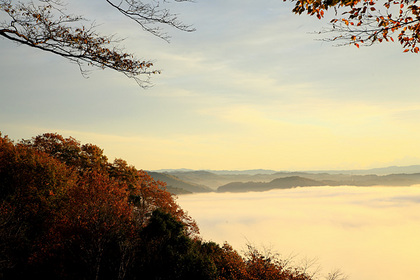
144,193
70,203
364,22
67,213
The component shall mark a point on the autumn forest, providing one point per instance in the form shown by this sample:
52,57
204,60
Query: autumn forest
68,213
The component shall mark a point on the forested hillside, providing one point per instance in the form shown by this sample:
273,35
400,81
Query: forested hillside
177,186
68,213
279,183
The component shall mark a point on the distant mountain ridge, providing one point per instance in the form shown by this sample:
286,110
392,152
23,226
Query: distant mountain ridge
409,169
224,172
378,171
297,181
182,181
279,183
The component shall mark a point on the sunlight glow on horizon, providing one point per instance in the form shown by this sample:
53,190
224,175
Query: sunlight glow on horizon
262,150
252,95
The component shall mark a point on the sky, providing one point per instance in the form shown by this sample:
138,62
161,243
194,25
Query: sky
364,232
253,87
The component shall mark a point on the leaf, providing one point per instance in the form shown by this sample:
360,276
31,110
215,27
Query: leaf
406,50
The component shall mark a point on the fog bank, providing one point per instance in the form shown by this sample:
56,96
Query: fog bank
367,232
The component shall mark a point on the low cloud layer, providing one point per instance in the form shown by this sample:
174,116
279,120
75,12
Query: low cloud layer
367,232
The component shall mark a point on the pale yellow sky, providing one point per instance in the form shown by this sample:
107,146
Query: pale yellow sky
251,88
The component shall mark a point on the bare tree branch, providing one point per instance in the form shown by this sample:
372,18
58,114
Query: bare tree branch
150,16
47,26
336,275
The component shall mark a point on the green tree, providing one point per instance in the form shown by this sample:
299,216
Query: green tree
168,252
46,25
368,21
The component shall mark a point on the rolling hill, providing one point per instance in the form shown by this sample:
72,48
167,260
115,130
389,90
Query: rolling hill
324,180
279,183
178,186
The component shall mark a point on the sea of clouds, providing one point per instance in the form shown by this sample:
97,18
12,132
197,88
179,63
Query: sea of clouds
368,233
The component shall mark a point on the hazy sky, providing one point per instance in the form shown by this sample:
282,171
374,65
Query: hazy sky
366,232
251,88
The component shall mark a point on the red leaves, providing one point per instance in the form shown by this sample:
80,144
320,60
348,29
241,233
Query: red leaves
70,196
153,195
100,205
255,265
362,22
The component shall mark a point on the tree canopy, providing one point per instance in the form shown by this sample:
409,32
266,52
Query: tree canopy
68,213
364,22
47,25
